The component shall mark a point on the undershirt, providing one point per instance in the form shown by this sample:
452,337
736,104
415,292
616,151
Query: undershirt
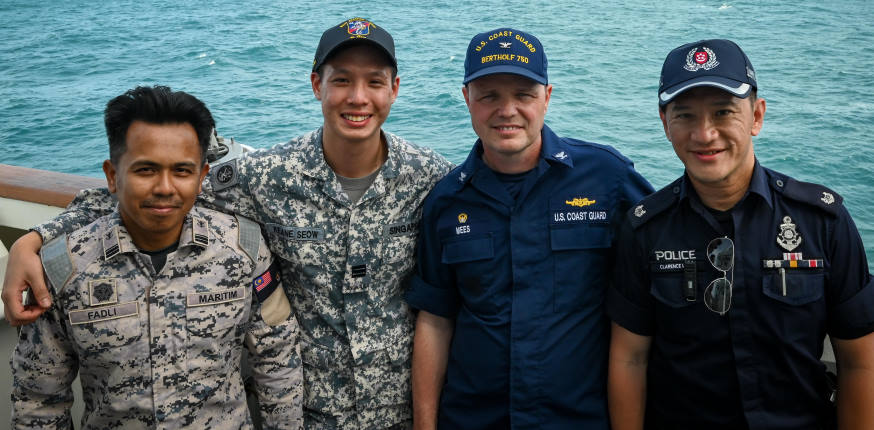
159,257
355,187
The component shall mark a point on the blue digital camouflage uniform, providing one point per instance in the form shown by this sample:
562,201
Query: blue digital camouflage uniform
345,266
160,350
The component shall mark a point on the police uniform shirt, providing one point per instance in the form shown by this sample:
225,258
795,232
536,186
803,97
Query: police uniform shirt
345,265
759,364
524,279
159,349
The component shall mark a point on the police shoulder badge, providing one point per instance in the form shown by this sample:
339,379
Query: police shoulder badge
698,60
639,211
788,238
827,198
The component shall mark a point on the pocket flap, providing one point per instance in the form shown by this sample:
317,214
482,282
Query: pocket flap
586,236
468,249
801,287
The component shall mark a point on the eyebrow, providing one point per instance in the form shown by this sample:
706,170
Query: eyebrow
721,102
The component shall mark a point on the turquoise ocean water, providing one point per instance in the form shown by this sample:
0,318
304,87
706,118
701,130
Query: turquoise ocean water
60,62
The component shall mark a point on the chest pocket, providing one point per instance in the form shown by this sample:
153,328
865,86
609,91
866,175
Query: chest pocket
471,259
104,341
580,254
801,287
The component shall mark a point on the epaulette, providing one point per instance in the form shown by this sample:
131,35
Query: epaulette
654,204
250,237
56,261
806,192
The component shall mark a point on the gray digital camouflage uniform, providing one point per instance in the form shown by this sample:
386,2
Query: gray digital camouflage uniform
159,350
345,267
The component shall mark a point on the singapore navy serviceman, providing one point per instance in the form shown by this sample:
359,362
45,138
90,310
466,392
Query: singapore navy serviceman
730,277
514,259
341,207
154,303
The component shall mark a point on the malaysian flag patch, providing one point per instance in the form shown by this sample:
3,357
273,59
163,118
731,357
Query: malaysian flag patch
267,282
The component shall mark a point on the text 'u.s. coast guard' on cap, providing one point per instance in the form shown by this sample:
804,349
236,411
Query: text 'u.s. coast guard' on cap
715,63
505,50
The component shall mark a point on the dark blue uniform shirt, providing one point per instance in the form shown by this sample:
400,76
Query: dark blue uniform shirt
525,281
758,366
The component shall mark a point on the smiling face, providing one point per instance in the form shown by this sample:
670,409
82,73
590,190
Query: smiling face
712,133
507,113
357,89
156,181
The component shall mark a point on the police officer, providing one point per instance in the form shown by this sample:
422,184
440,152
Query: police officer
341,208
153,303
513,259
729,278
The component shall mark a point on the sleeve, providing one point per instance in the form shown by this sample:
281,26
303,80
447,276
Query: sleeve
432,287
850,286
629,303
43,368
87,206
235,196
272,341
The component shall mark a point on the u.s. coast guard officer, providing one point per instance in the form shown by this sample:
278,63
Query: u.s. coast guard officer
730,277
514,259
154,303
341,207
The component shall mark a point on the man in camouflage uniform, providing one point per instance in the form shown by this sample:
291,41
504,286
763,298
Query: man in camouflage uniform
341,207
153,303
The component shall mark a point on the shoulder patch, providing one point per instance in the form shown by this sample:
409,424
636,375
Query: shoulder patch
250,237
57,261
812,194
224,175
653,204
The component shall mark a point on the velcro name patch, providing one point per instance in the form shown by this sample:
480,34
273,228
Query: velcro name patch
85,316
215,297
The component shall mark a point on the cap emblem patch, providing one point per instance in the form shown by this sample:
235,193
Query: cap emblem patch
698,60
358,27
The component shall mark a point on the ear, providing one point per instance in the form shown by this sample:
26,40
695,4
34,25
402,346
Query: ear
316,82
466,96
109,171
395,87
548,94
663,116
759,108
203,173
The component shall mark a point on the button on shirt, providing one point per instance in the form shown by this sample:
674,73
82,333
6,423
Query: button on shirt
524,280
759,364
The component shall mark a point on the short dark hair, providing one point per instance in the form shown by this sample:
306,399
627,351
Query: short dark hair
155,105
355,44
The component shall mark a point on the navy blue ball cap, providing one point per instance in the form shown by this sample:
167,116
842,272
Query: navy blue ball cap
505,50
717,63
351,31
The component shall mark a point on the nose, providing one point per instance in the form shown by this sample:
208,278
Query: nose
164,184
507,108
704,130
357,94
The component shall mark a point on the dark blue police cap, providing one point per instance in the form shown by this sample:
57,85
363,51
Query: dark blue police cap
505,50
715,63
350,31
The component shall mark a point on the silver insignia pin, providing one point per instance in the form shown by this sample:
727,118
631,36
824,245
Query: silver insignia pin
639,211
827,198
561,155
788,238
461,176
505,45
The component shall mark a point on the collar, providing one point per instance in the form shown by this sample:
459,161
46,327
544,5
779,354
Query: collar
552,151
116,240
311,156
758,185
